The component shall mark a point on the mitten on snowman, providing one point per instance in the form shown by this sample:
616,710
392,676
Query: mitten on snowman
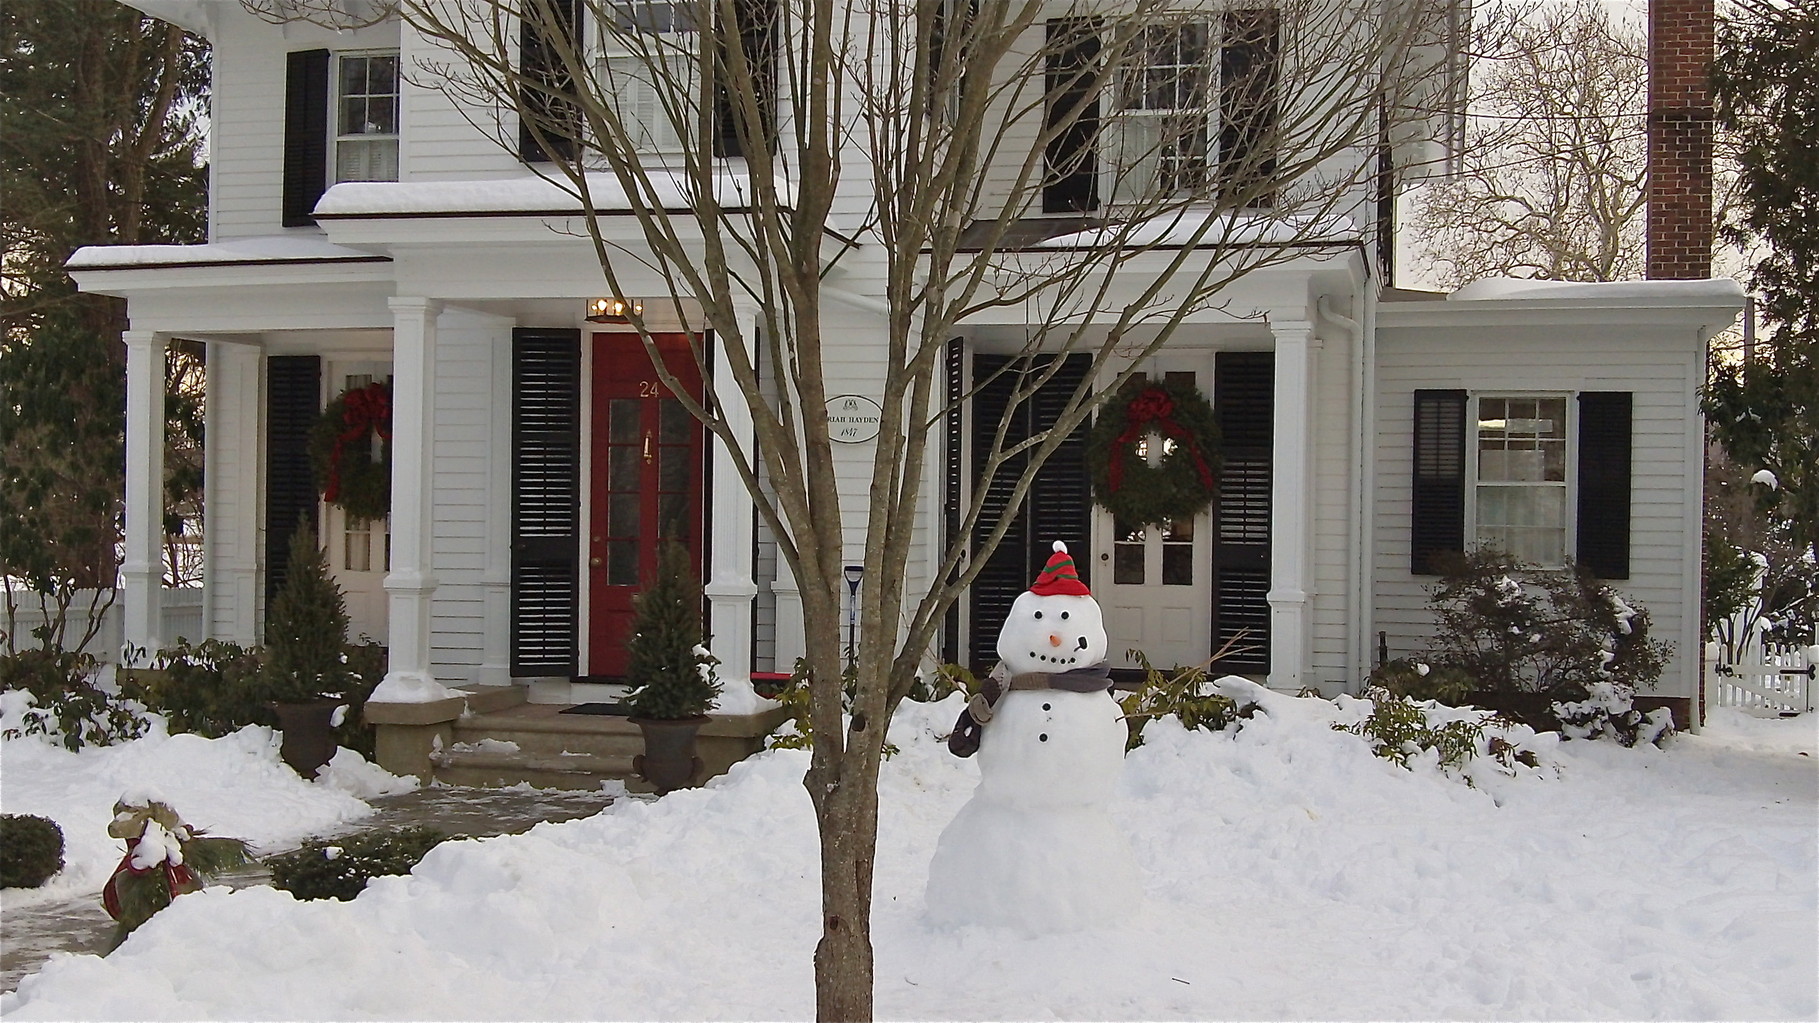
1054,638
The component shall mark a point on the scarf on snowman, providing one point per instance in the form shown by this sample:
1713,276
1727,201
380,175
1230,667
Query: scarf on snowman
964,741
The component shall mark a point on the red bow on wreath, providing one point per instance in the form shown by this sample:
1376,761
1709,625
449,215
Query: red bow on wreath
1152,408
368,409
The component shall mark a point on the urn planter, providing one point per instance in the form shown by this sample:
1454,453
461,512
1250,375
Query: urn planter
668,761
309,734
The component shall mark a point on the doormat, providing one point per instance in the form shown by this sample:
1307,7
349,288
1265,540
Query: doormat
618,710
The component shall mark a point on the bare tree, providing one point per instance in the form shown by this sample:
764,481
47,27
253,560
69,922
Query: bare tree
949,120
1551,183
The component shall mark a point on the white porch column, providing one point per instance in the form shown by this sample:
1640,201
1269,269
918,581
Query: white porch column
142,569
409,585
1291,506
730,587
791,638
230,459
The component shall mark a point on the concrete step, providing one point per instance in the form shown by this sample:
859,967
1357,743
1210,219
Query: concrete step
493,768
554,734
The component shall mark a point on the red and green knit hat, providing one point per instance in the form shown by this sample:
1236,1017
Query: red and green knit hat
1058,577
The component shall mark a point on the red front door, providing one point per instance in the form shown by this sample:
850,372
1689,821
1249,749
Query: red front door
647,473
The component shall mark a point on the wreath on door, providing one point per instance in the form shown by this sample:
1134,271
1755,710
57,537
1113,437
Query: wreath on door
350,451
1145,491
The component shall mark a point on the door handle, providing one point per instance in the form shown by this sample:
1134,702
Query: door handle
647,449
594,561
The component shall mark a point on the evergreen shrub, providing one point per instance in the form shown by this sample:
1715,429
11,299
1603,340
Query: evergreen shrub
31,850
339,868
305,630
670,671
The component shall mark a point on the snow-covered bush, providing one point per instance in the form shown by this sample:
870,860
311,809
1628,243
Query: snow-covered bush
1515,628
1608,710
1419,680
1402,730
59,699
339,868
1185,692
31,850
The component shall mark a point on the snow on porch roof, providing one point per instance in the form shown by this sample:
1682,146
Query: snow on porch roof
1192,227
238,252
1718,291
527,194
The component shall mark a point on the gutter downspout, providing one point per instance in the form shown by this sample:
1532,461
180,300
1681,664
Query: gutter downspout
1355,656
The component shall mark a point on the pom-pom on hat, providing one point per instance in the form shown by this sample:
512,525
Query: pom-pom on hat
1058,577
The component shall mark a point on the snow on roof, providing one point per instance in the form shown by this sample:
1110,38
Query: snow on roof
1206,227
1720,290
271,249
529,193
193,15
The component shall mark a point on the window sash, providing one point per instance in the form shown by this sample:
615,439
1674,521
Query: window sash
647,62
364,108
1164,114
1522,461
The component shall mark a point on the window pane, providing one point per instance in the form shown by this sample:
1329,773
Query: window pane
1178,564
353,76
674,422
622,470
1127,564
672,516
625,420
622,562
382,75
366,160
623,515
673,468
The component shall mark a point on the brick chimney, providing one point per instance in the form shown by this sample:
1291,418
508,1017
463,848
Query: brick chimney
1680,47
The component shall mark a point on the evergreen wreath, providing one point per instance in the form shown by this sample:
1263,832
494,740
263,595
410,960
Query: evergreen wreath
340,451
1179,485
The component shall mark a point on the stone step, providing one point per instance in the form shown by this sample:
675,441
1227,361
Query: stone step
493,768
568,733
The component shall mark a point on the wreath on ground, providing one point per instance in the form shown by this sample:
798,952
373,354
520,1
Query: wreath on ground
1181,483
350,469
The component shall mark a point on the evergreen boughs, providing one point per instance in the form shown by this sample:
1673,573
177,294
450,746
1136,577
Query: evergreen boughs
164,858
306,629
670,670
1766,410
339,868
31,850
1183,480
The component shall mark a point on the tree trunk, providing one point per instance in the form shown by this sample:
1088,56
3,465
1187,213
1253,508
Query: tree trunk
849,839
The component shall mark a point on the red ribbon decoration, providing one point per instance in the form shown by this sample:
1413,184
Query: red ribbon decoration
1153,409
367,410
180,878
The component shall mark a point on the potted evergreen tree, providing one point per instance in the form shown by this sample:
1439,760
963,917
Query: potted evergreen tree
670,672
303,678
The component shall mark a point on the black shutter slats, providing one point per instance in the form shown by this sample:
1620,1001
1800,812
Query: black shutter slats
1248,108
1437,505
293,399
305,135
546,501
546,82
1073,78
1244,406
1604,483
1058,506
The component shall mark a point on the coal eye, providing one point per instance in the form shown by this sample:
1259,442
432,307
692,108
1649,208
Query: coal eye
1038,615
1064,616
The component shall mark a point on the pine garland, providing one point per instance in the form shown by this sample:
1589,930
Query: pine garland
1183,481
341,451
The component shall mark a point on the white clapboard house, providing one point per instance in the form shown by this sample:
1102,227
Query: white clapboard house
364,226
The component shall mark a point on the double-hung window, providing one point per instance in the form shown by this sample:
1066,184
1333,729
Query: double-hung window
649,55
366,116
1520,495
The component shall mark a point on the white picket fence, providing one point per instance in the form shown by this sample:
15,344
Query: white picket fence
182,616
1765,678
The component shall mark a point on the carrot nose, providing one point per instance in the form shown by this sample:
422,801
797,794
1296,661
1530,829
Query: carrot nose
1054,640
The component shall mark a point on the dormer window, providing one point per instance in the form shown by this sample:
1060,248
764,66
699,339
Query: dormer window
366,116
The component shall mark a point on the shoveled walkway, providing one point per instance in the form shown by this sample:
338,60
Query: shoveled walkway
29,936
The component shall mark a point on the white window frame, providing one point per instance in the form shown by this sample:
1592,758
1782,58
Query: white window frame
338,137
623,72
1137,177
1569,486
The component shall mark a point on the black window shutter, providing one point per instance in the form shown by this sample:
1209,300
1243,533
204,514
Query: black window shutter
1071,184
305,135
1604,483
755,25
293,396
546,501
1437,511
1244,403
1058,506
952,482
1248,114
546,82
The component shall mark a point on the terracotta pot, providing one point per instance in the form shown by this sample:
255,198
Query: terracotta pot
309,735
668,761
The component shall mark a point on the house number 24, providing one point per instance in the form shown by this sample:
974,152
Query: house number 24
649,389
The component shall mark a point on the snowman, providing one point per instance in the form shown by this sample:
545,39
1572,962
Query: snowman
1035,848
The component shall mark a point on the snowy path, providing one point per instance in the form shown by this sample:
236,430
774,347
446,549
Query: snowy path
1288,874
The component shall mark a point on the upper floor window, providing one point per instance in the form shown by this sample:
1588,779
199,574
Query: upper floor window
648,55
366,116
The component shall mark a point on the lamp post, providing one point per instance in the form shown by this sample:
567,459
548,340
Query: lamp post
854,573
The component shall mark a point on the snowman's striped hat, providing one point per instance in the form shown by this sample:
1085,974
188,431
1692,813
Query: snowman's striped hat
1059,577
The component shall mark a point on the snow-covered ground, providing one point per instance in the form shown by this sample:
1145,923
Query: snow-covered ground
1287,872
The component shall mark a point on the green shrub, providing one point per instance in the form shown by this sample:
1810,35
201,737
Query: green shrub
1608,710
1180,691
339,868
31,850
306,629
69,707
670,671
1513,628
1418,680
208,688
1400,728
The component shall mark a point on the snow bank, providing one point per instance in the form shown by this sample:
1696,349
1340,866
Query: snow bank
1288,874
234,786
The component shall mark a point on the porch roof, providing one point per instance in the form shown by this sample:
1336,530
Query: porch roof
526,195
260,251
